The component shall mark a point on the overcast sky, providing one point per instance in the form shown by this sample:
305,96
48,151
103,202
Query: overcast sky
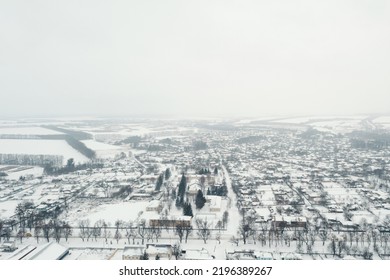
188,58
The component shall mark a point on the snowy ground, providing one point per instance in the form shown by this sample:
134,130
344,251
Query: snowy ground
94,211
234,214
104,150
338,126
41,147
29,130
383,121
16,171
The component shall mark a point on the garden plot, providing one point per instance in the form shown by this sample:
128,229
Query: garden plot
359,216
266,195
342,195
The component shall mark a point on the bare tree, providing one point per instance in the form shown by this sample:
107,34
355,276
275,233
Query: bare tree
287,239
118,235
1,227
57,230
130,232
106,231
263,234
333,245
83,229
156,232
46,228
37,231
149,234
323,235
188,231
142,230
204,231
97,229
21,234
30,218
176,250
234,240
180,231
107,189
244,230
67,231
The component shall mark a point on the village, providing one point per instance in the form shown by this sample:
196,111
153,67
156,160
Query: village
198,190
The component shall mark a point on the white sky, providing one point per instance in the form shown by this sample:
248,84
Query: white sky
184,58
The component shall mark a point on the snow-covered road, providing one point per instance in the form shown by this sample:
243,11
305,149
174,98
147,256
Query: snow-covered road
234,214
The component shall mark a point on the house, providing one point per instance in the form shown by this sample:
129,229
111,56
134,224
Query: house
133,252
292,256
154,205
197,254
164,251
192,190
241,255
289,221
263,255
171,221
49,251
8,246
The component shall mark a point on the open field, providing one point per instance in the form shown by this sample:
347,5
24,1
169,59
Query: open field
41,147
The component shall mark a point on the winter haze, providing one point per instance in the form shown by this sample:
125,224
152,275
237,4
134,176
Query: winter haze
194,58
195,130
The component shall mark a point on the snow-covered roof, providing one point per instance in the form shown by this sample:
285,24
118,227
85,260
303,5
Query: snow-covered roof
133,250
194,254
49,251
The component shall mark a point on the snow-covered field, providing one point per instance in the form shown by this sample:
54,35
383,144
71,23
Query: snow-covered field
126,211
7,208
383,121
294,120
103,150
337,125
303,120
333,124
29,130
17,171
41,147
341,194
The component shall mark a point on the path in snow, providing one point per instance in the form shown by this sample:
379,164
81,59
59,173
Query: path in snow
234,214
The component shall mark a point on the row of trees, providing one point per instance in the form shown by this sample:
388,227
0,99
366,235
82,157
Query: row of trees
354,242
71,166
24,159
100,229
